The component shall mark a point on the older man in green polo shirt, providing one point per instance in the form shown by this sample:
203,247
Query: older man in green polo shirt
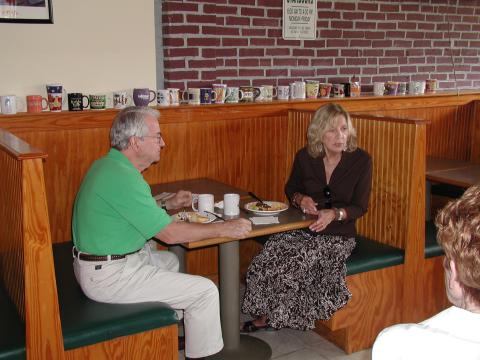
114,217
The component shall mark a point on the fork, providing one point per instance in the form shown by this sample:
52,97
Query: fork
217,216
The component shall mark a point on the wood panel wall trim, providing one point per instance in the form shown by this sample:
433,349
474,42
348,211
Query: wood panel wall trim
475,126
18,148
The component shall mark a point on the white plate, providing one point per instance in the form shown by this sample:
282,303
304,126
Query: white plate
278,208
194,217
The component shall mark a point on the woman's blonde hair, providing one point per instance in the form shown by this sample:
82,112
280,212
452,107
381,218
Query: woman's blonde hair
458,233
324,119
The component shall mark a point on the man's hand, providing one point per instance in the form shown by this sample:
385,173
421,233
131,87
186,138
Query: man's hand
181,199
238,228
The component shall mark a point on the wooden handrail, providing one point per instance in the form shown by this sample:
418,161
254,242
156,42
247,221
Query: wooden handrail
18,148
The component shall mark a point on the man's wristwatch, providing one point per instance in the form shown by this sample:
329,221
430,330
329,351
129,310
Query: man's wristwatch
163,204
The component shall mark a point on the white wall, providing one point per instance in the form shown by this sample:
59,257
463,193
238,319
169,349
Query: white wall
92,47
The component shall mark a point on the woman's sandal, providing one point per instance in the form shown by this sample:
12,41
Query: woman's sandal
249,327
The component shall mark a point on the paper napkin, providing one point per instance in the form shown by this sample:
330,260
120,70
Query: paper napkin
264,220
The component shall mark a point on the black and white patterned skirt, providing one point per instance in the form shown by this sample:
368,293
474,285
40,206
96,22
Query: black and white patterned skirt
299,277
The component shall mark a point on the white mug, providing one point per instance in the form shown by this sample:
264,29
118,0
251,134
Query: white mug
205,203
297,90
220,91
193,96
163,97
283,92
231,204
174,96
120,99
8,104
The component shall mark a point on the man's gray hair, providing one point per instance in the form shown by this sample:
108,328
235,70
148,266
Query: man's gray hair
130,122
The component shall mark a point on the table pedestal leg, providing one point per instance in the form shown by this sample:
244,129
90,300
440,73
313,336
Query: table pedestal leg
237,347
180,252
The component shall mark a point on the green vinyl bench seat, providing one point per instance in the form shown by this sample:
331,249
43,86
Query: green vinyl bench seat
367,255
12,329
85,322
432,248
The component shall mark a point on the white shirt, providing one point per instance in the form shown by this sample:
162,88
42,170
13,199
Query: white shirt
451,334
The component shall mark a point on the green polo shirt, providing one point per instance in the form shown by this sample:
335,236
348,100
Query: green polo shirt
114,212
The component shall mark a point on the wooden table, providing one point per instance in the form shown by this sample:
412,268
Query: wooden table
236,346
453,172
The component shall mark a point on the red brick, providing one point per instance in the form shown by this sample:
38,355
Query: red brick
262,42
353,15
433,52
170,6
237,41
340,61
375,16
265,22
220,30
337,43
444,43
396,53
231,62
303,52
322,62
302,72
426,68
367,6
416,60
415,52
303,62
249,62
475,44
349,70
343,6
245,52
388,70
410,7
415,17
253,32
227,72
381,43
395,34
223,52
372,52
327,52
170,41
446,9
216,9
387,61
174,64
182,29
331,34
341,24
444,68
360,43
253,11
422,43
276,72
365,25
324,4
434,18
271,13
407,26
175,84
277,51
203,41
265,62
389,8
281,42
251,72
284,62
374,35
426,26
356,61
325,71
408,69
433,35
236,20
467,19
469,52
427,9
314,43
270,3
328,15
180,52
415,35
387,26
172,18
472,35
241,2
201,19
181,75
395,16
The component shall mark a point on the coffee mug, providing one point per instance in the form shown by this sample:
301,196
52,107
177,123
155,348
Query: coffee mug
35,103
233,95
311,88
338,90
8,104
98,102
163,97
231,204
378,88
120,99
283,92
297,90
206,95
402,88
431,85
205,202
220,93
355,89
55,97
249,93
259,94
192,96
174,96
391,88
346,89
75,101
143,96
270,92
324,90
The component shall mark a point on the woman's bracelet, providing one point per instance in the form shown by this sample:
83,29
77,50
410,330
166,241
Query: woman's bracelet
295,201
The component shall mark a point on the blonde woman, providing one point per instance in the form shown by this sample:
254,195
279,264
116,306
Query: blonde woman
299,276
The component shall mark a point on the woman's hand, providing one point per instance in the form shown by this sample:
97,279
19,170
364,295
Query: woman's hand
325,217
181,199
307,205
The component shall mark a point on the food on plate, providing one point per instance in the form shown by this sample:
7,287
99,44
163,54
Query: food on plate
191,216
273,206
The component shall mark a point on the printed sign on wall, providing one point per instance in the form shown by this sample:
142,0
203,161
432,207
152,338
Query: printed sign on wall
299,19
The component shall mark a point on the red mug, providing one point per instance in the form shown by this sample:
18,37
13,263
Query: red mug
35,103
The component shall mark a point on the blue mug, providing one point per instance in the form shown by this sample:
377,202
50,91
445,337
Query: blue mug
206,95
143,97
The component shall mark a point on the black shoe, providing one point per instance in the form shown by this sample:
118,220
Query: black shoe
181,343
249,327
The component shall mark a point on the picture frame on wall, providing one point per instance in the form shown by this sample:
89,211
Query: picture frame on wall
26,11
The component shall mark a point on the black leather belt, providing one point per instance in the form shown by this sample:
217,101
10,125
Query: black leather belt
90,257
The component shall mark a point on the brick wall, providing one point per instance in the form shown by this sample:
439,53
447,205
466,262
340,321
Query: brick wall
239,42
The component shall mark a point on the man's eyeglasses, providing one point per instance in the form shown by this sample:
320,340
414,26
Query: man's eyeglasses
157,137
328,196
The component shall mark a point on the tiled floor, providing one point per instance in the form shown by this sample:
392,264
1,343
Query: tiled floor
290,344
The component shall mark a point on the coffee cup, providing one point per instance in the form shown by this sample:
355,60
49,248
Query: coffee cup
249,93
270,92
311,88
231,205
324,90
283,92
174,96
260,93
346,89
8,104
206,95
297,90
163,97
143,96
192,96
391,88
233,94
98,102
338,90
220,92
36,103
120,99
402,88
203,202
378,88
55,97
75,101
355,89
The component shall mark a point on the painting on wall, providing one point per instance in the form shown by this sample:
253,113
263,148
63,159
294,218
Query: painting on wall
26,11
